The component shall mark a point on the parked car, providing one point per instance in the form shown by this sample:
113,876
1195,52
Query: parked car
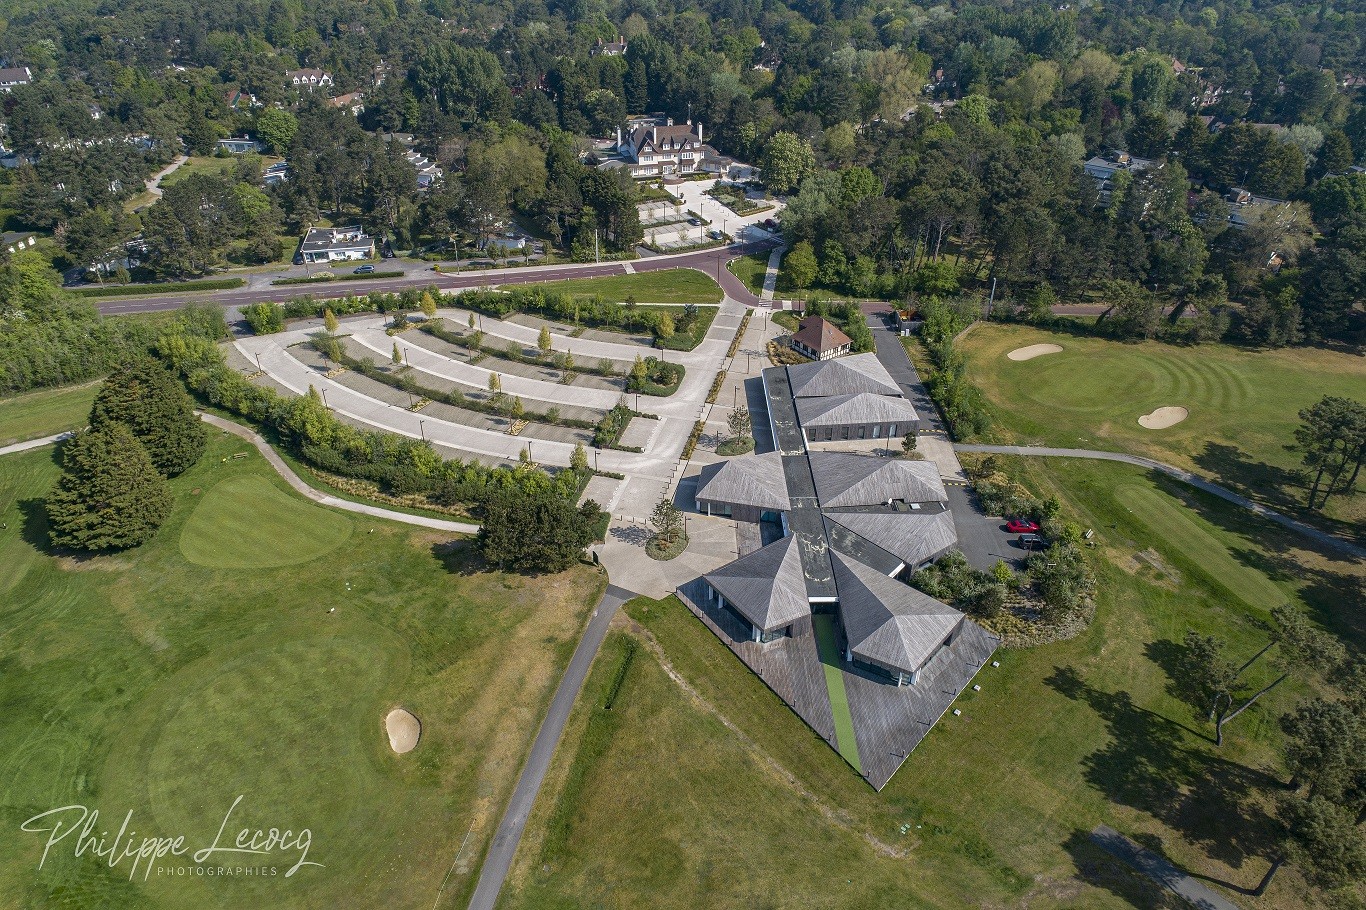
1031,542
363,270
770,224
694,221
1022,526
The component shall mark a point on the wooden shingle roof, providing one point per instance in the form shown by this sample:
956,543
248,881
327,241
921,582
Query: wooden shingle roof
889,623
753,480
844,480
847,410
767,587
914,538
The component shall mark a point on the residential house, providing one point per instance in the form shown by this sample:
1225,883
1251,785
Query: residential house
615,48
654,149
351,101
820,339
10,76
240,145
336,245
17,241
427,171
1103,169
276,173
308,79
238,100
1244,208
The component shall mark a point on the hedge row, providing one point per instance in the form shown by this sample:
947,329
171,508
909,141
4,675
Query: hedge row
149,290
329,276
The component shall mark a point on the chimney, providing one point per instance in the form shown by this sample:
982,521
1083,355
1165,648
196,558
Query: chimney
618,137
669,121
654,135
699,133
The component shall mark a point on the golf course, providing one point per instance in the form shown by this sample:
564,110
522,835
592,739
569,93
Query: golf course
995,807
1242,406
254,649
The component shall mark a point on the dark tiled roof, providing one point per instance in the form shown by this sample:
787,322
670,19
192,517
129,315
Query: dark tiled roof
767,587
818,334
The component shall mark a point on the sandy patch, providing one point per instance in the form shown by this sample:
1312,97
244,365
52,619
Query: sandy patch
1029,352
404,730
1163,418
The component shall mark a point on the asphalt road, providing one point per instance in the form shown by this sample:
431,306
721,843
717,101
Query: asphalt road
712,262
509,833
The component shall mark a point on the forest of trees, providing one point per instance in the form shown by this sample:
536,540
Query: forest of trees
829,98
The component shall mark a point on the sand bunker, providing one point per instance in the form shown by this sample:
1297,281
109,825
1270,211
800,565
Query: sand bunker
1163,418
1034,350
404,730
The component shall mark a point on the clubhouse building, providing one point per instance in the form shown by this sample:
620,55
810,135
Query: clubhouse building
832,536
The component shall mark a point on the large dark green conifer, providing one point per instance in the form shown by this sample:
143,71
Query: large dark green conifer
145,397
110,495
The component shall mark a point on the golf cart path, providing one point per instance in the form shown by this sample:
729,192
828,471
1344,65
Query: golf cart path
1160,870
290,477
1200,483
505,840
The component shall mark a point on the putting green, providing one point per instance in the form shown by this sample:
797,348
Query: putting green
249,523
834,681
1178,527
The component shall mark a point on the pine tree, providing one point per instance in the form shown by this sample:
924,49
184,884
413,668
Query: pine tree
428,304
153,405
495,382
330,320
110,496
517,410
397,355
543,341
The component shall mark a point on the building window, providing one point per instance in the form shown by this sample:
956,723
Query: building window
877,431
862,431
845,434
829,433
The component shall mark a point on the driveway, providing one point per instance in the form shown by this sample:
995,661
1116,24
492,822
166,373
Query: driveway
983,539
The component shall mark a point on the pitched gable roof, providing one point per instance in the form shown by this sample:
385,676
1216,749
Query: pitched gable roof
844,376
818,334
887,622
845,480
754,480
767,587
912,537
864,407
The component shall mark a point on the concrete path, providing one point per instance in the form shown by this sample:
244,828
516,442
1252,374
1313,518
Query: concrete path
154,181
1160,870
771,275
335,502
28,444
1200,483
505,840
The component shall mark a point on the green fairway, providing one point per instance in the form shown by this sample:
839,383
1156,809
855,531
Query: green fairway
44,413
1243,405
1166,519
144,682
665,286
829,651
700,792
247,523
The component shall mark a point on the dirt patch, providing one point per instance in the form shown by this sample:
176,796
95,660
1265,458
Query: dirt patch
404,730
1163,418
1029,352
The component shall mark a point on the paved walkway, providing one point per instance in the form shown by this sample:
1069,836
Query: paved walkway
771,275
505,840
1160,870
335,502
32,444
1200,483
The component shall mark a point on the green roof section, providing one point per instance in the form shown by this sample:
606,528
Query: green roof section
828,647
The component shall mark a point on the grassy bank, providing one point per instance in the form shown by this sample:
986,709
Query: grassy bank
994,808
665,286
44,413
206,665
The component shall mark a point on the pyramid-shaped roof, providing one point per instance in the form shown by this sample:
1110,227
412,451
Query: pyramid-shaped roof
862,407
820,334
887,622
752,480
767,587
841,376
914,538
844,479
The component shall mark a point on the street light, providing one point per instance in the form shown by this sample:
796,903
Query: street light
595,457
258,362
422,428
325,404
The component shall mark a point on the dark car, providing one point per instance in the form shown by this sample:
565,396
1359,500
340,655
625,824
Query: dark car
694,221
1031,542
1022,526
363,270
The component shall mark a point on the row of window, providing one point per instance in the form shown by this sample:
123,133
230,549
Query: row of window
817,434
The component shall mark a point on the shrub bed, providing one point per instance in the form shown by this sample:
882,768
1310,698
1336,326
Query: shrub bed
148,290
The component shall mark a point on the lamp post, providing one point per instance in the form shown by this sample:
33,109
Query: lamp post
422,428
258,362
595,457
325,404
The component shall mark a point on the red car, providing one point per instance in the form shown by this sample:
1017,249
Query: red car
1022,526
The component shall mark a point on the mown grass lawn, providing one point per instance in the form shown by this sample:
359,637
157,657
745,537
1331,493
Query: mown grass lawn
45,412
1244,405
148,682
750,269
705,790
664,286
